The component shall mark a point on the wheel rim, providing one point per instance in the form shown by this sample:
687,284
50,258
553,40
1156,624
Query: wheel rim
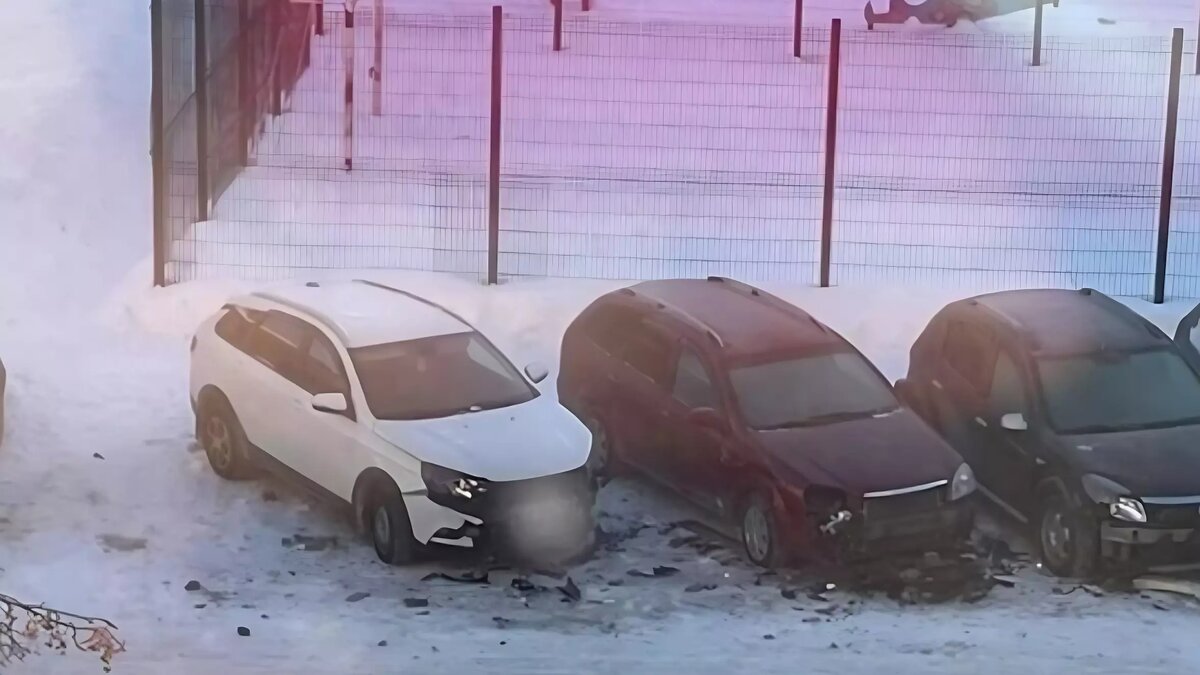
381,525
220,443
1056,537
756,533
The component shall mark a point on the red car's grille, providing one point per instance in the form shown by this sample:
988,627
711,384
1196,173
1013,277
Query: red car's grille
902,506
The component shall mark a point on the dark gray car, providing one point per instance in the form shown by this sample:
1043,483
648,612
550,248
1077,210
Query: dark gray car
1079,417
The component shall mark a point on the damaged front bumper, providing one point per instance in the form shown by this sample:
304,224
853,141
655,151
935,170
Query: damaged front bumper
546,520
893,526
1149,546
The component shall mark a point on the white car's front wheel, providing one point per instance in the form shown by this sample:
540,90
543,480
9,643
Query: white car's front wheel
390,528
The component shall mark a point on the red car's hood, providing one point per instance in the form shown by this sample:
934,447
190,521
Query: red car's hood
887,452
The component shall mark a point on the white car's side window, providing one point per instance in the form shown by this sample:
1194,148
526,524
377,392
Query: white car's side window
483,357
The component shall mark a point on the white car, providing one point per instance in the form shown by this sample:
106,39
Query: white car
400,409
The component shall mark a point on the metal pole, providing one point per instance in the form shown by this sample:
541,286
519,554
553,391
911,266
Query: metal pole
558,11
1198,51
831,115
157,142
320,18
494,157
587,5
275,36
246,93
1037,34
377,71
1168,167
348,59
200,40
798,28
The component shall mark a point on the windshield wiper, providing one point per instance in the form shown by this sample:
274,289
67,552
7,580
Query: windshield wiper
1113,428
828,418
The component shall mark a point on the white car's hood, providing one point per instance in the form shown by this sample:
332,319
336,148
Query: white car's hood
530,440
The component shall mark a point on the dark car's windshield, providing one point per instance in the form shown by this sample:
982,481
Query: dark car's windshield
1119,391
810,391
436,377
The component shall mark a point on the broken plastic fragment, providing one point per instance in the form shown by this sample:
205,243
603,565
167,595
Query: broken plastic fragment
835,521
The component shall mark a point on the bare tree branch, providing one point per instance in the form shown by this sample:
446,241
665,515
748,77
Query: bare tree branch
24,627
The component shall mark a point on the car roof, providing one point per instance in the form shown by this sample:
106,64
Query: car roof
364,313
1060,322
741,319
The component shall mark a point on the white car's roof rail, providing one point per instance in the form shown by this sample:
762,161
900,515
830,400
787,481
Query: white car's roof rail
414,296
300,307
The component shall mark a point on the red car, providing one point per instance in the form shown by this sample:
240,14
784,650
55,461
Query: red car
764,416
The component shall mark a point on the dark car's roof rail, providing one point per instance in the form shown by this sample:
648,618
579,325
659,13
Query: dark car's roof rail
1127,312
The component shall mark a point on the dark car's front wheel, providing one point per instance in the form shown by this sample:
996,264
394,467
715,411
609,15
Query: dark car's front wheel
760,531
1068,538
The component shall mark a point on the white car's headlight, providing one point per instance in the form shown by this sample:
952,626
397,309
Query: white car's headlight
1120,505
963,482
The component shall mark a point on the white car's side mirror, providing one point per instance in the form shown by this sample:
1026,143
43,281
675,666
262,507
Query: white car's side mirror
537,371
330,403
1014,422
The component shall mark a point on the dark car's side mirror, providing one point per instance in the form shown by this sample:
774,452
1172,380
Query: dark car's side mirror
1014,422
707,418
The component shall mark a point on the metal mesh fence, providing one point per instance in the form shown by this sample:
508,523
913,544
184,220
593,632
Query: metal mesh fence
660,150
644,150
960,163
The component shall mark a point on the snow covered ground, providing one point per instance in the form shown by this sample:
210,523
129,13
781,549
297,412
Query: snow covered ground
107,508
658,144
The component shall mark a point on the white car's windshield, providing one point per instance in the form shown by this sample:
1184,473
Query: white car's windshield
437,377
810,391
1096,393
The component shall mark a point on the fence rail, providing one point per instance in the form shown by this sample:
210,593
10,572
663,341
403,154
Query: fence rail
660,149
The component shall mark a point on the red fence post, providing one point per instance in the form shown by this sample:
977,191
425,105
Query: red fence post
158,160
831,115
493,262
798,29
1168,167
348,58
200,63
1037,33
246,96
587,5
275,23
320,18
377,70
558,11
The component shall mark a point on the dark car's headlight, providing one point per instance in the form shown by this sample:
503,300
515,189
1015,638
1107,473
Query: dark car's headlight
963,483
1120,505
448,482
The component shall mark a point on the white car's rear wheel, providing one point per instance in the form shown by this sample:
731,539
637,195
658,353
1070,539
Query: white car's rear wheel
224,441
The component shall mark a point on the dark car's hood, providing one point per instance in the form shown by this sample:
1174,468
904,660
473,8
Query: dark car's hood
866,455
1151,462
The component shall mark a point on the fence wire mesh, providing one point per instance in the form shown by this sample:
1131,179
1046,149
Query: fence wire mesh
960,163
654,149
658,150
